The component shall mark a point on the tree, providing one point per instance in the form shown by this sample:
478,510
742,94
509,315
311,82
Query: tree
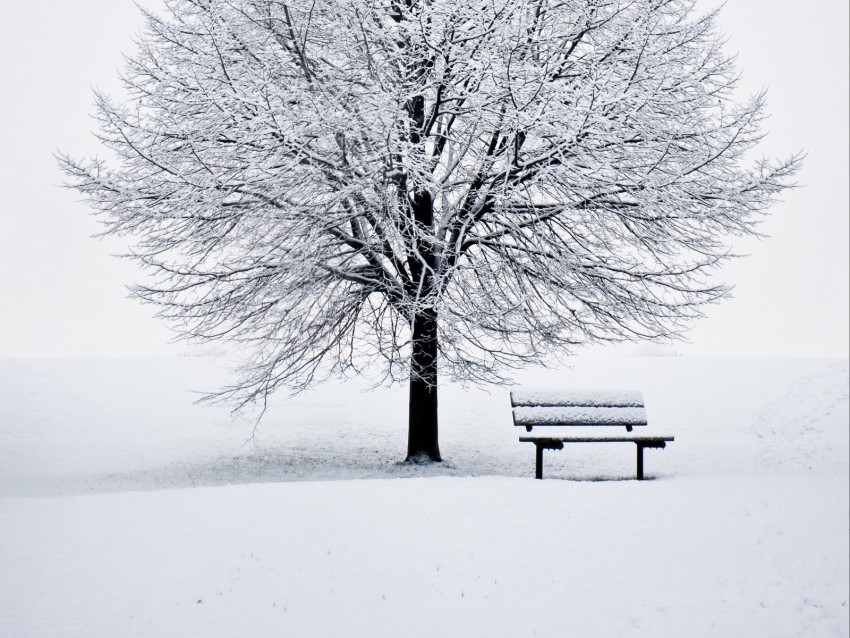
336,183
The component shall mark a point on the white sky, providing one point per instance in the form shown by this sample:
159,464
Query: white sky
62,294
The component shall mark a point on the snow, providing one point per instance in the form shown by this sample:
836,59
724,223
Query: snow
585,398
127,511
588,416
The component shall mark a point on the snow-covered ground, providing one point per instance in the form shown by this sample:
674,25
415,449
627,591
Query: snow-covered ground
127,511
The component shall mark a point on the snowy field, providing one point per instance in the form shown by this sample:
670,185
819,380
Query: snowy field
125,510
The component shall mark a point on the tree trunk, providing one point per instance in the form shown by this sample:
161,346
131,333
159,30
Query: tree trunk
422,444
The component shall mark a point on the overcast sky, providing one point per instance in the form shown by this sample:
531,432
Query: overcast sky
63,294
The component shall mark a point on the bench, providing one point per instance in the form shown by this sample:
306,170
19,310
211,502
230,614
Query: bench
585,408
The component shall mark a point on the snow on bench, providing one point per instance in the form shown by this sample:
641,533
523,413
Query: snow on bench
538,415
578,407
582,408
583,398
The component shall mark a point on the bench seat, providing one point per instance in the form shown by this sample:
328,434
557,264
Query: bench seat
598,439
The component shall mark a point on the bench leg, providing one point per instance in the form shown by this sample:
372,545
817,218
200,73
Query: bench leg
545,444
639,462
538,466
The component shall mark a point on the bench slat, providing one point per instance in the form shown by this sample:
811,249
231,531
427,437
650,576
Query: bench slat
579,416
594,439
577,398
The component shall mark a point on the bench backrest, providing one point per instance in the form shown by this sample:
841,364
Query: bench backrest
533,408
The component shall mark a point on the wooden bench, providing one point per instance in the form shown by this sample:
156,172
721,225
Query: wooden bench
582,408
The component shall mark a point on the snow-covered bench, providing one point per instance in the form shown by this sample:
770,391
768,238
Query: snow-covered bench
582,408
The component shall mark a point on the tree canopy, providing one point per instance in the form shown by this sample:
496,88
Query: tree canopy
333,184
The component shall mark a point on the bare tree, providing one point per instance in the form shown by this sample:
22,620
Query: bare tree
336,183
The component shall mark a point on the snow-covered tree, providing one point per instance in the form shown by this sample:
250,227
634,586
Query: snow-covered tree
427,183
